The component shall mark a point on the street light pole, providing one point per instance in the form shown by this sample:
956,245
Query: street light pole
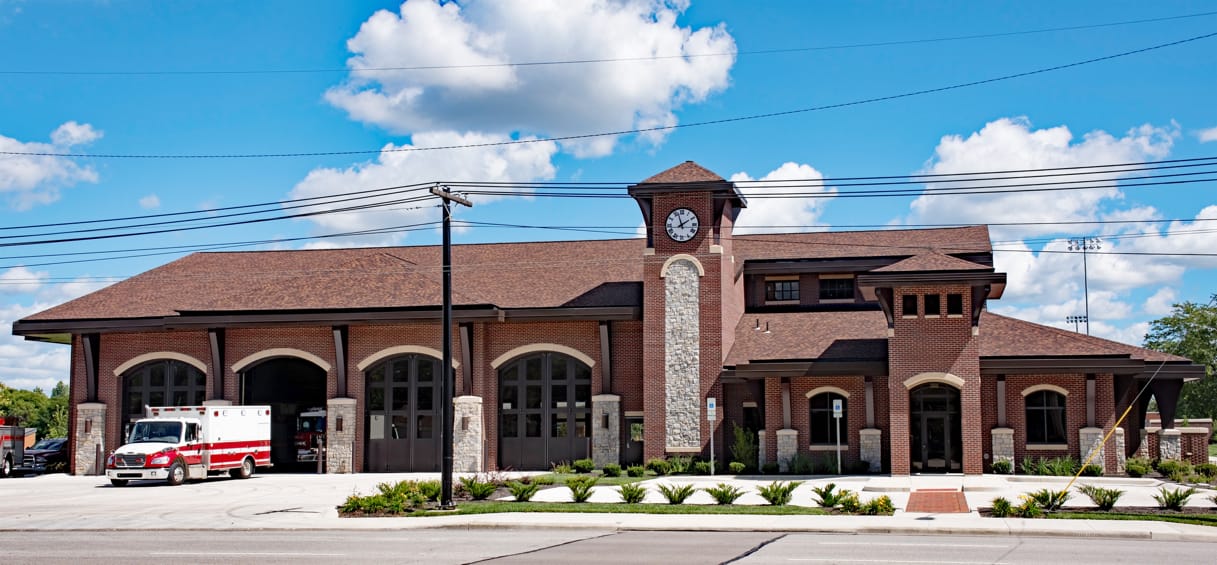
1085,244
447,381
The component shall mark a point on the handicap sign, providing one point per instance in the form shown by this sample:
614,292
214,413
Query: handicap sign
837,408
711,408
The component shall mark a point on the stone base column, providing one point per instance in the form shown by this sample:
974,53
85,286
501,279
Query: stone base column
760,451
1090,444
340,443
1169,445
467,444
788,447
1120,457
90,440
1143,450
606,429
1003,445
872,448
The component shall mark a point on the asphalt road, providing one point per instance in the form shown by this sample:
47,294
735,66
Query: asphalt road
586,547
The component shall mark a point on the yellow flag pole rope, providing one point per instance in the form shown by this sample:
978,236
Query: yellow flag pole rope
1115,426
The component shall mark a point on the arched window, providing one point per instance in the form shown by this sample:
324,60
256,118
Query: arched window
165,382
1046,417
823,425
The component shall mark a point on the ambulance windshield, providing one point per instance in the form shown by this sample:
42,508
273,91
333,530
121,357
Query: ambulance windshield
147,431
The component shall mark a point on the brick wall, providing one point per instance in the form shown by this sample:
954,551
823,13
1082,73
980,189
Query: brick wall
855,416
1075,412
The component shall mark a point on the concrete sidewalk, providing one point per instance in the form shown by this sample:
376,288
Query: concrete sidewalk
291,502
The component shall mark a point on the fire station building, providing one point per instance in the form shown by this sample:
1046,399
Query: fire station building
610,349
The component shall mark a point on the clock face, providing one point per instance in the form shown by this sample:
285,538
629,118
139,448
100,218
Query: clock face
682,224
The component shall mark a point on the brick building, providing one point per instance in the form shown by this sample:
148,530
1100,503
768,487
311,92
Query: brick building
610,349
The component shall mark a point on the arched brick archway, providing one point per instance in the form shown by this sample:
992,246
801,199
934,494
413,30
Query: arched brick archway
545,401
166,381
401,414
290,385
935,428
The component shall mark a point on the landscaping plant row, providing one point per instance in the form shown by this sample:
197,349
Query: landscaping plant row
1036,504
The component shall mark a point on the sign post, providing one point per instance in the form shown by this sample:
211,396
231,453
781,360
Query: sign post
837,409
711,409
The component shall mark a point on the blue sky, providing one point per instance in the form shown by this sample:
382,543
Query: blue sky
752,58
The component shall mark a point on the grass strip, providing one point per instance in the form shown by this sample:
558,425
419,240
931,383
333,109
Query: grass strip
1197,519
493,507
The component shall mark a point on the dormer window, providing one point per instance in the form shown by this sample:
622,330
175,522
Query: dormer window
782,289
836,288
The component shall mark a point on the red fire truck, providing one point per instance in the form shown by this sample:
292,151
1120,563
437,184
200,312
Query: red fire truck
179,443
12,445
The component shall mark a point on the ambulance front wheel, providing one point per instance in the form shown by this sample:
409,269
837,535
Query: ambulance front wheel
177,474
118,482
245,471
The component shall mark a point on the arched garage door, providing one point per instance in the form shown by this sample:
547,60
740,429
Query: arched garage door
545,411
160,383
290,386
402,416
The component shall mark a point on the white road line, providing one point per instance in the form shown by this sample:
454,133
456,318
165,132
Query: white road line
244,554
965,545
840,560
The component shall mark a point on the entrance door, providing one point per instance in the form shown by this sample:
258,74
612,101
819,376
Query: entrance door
935,437
402,415
632,453
545,411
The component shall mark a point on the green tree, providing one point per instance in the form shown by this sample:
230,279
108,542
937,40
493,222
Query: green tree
33,409
1191,331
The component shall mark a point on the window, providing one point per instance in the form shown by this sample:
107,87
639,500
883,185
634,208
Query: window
1046,417
781,290
823,425
836,289
954,304
933,305
910,304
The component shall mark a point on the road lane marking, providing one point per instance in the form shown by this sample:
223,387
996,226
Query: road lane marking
963,545
244,554
936,561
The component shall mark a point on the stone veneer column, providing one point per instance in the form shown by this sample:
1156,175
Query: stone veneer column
1169,445
467,434
1120,457
1090,442
606,441
340,445
90,437
760,451
872,447
788,447
682,357
1003,445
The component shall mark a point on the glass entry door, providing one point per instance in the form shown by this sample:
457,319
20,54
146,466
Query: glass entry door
935,437
403,415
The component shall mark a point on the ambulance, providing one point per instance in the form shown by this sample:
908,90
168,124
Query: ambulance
180,443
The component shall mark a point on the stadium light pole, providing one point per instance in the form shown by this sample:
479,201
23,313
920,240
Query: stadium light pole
1075,320
1085,245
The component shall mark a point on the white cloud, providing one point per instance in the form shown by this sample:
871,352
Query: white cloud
150,202
1161,303
775,215
20,280
29,364
1012,144
522,162
545,100
30,180
1207,135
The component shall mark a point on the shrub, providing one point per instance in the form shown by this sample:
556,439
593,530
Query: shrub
1167,466
1030,466
1002,467
1181,475
724,493
778,493
1104,498
1174,499
542,479
825,496
848,500
581,487
1092,470
1137,466
1002,507
736,467
800,464
393,498
1029,508
478,489
430,490
678,465
1049,499
881,506
658,465
521,491
1060,466
633,493
676,494
563,468
1207,470
636,471
584,465
744,448
612,470
770,468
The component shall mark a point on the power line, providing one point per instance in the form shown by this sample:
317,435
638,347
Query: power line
774,51
666,128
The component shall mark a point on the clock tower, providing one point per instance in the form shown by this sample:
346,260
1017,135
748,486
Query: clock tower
692,301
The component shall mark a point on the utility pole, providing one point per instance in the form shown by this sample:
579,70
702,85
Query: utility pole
447,382
1085,244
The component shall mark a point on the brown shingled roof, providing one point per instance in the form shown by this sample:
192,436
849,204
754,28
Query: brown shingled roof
932,261
874,243
1003,336
684,172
